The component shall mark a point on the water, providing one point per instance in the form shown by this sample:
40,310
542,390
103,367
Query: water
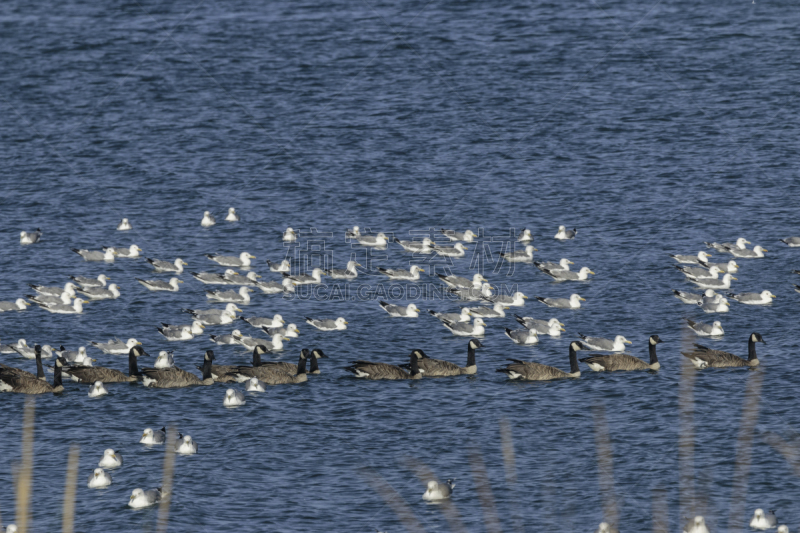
651,127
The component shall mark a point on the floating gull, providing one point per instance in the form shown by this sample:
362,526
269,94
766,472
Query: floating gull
515,300
69,288
457,250
208,219
242,296
573,302
409,311
453,235
289,235
497,311
166,266
753,298
116,346
290,330
525,236
567,275
250,279
724,283
730,267
259,322
185,445
400,274
273,345
369,240
255,385
101,293
550,327
151,437
520,256
755,253
232,261
283,266
233,398
164,360
715,305
522,336
130,252
564,234
438,491
158,285
605,345
696,525
349,272
64,309
605,527
792,242
485,292
97,389
124,225
690,298
30,237
464,316
458,282
9,348
99,281
181,333
561,265
17,305
46,299
307,279
699,272
466,329
763,521
99,479
231,216
741,243
212,278
352,233
417,247
72,356
88,255
692,259
328,324
706,330
144,498
111,459
224,340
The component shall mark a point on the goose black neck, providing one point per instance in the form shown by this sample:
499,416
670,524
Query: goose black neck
573,361
470,355
653,356
314,364
256,358
57,376
301,365
133,366
415,364
206,368
751,350
39,368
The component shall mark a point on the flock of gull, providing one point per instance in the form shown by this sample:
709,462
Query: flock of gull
714,279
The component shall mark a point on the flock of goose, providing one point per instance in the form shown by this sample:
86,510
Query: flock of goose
469,322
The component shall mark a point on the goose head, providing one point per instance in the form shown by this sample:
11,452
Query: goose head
475,344
655,339
319,354
756,337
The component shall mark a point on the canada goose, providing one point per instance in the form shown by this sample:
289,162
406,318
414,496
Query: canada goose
496,311
274,287
30,237
463,316
326,324
116,346
208,219
515,300
408,311
231,216
91,255
418,247
291,368
131,252
12,381
124,225
696,525
149,436
17,305
369,240
99,281
522,336
175,377
225,373
520,256
763,521
398,274
731,267
755,253
438,491
454,235
573,302
550,327
306,279
144,498
370,370
434,368
349,272
289,235
691,259
699,272
623,361
459,282
563,264
273,376
89,374
185,445
110,459
565,234
166,266
181,333
99,479
606,345
233,398
689,298
283,266
753,298
260,322
97,389
706,330
526,371
568,275
23,373
232,261
703,357
726,247
457,250
465,329
158,285
525,236
242,296
101,293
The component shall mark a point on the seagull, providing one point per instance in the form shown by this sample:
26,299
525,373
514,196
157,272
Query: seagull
561,265
348,272
525,236
755,253
522,336
368,240
791,242
464,316
466,329
550,327
283,266
99,281
417,247
181,333
144,498
166,266
701,257
124,225
233,398
97,390
131,252
458,282
706,330
30,237
710,283
690,298
568,275
438,491
699,272
64,309
520,256
457,250
573,302
753,298
101,293
606,345
185,445
158,285
17,305
89,255
151,437
111,459
116,346
259,322
730,267
515,300
696,525
306,279
453,235
208,220
231,261
497,311
409,311
564,234
741,243
352,233
328,324
484,293
255,385
242,296
400,274
164,360
231,216
99,479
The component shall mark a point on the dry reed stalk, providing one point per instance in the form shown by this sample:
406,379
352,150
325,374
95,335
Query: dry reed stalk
425,474
68,516
24,477
394,500
686,436
744,448
484,489
166,481
510,463
605,465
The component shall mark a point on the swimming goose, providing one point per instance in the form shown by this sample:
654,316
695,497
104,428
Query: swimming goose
731,267
753,298
12,381
691,259
273,376
565,234
232,216
418,247
763,520
550,327
696,525
18,305
166,266
185,445
406,311
458,282
91,255
402,275
690,298
726,247
706,330
496,311
326,324
457,250
699,272
232,261
116,346
520,256
703,357
369,240
144,498
606,345
175,377
208,219
522,336
111,459
24,373
289,235
306,279
153,437
242,296
30,237
438,491
755,253
623,361
131,252
99,479
435,368
258,322
227,373
465,329
525,236
158,285
283,266
568,275
474,295
526,371
101,293
233,398
561,265
463,316
97,389
99,281
89,374
370,370
349,272
291,368
290,331
724,283
181,333
515,300
454,235
164,360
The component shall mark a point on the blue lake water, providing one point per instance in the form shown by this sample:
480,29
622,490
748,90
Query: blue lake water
649,126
